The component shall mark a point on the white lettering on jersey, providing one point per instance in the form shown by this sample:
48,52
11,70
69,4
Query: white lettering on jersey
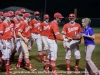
8,28
72,29
46,27
27,29
17,25
36,25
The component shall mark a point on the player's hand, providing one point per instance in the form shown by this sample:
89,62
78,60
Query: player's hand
4,46
83,35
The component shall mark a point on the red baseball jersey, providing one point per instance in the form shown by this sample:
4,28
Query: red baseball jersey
54,31
71,30
35,26
17,26
25,28
45,27
0,21
5,29
12,28
21,19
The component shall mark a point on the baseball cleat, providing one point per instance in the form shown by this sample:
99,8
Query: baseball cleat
9,72
32,69
68,71
46,71
18,68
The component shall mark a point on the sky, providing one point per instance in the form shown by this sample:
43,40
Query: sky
85,8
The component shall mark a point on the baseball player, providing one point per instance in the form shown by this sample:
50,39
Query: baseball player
44,33
35,33
16,23
69,31
24,34
5,30
1,13
53,36
1,16
23,11
89,37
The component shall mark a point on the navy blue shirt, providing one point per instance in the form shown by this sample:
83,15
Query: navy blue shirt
89,32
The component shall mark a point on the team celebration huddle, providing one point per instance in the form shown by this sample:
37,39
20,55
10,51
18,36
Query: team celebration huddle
18,33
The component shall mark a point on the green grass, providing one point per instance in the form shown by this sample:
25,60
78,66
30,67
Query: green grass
60,64
96,30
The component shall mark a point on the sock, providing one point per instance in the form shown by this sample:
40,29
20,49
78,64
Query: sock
28,63
44,52
40,55
53,64
47,64
68,64
77,62
19,62
7,65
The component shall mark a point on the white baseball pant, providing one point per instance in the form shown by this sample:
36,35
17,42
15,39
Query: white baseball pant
52,49
18,44
44,39
75,47
71,42
7,52
37,38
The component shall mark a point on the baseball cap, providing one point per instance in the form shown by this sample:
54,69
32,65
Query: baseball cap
46,16
27,15
22,11
72,15
58,15
36,13
1,13
11,12
17,13
6,14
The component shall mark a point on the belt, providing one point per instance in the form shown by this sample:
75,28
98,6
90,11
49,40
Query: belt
35,33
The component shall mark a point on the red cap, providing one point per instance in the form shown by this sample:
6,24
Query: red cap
17,13
72,15
46,16
58,15
1,13
22,11
11,12
36,13
6,15
27,15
